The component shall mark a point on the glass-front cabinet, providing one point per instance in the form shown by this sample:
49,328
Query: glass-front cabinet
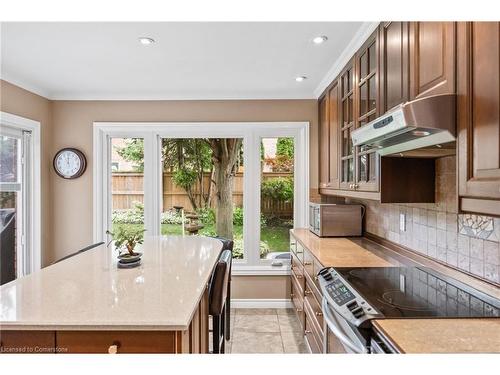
366,110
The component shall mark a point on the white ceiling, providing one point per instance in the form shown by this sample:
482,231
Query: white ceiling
188,61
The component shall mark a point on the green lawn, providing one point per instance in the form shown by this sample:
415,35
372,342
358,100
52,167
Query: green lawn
273,238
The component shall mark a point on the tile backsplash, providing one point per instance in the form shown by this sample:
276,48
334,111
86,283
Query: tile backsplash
467,242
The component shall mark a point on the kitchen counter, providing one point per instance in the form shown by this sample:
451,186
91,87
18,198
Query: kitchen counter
442,335
89,292
341,251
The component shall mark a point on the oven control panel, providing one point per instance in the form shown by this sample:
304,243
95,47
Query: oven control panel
344,299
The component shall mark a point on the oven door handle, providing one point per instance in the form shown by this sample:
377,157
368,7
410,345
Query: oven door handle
336,330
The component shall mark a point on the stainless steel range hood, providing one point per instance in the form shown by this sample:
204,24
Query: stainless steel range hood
419,128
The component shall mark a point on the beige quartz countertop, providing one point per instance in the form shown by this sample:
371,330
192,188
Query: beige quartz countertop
442,335
340,251
88,291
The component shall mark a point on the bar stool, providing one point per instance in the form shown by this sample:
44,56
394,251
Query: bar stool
227,245
217,300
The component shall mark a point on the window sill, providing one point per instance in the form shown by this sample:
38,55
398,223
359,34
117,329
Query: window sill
265,270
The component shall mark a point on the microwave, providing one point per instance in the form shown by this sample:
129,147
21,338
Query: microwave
336,220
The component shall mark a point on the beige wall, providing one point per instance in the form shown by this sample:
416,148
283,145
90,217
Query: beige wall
72,127
26,104
260,287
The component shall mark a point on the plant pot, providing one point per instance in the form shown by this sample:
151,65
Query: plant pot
129,258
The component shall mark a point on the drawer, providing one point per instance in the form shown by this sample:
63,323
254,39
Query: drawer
309,264
311,337
298,273
313,323
117,341
35,342
314,306
297,301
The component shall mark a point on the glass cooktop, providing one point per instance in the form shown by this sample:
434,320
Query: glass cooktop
418,292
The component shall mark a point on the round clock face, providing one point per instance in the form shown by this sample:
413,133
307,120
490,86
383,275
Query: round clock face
69,163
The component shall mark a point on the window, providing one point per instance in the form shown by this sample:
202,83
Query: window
19,196
239,180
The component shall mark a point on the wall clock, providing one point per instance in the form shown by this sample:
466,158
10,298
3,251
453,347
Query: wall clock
70,163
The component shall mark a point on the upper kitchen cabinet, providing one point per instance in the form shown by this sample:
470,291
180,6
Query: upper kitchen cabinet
366,110
394,72
329,138
432,58
478,63
324,143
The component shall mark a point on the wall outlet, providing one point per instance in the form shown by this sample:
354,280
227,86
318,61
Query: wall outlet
402,222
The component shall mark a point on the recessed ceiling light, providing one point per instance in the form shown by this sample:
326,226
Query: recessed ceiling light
300,78
320,39
146,41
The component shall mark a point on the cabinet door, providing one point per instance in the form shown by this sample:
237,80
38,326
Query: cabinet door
479,116
334,130
365,109
346,160
432,58
394,64
324,144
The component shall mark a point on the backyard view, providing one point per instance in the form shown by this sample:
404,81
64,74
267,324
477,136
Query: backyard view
203,186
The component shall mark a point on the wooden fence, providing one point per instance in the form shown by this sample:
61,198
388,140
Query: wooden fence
127,188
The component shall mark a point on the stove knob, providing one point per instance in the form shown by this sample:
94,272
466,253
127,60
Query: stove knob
358,312
352,305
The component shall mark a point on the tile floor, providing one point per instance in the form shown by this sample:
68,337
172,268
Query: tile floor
265,331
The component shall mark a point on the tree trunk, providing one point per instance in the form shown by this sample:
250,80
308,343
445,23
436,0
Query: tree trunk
225,153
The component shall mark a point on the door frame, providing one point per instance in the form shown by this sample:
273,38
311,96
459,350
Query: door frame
34,214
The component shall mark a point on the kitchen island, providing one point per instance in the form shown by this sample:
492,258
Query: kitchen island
87,304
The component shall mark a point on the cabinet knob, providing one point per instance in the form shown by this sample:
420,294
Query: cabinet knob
113,349
307,332
299,276
291,295
319,313
307,263
316,278
298,310
308,292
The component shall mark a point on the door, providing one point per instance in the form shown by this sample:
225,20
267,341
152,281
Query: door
479,116
346,160
366,106
432,58
15,203
394,65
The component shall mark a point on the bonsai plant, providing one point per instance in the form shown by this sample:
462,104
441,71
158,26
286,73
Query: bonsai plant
126,238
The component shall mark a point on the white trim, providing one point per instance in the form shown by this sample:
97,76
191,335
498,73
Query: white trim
261,303
35,218
364,32
241,269
34,89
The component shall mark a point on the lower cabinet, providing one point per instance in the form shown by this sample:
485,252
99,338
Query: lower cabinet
306,297
30,342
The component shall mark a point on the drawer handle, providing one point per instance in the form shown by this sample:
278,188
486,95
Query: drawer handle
298,310
113,349
318,313
307,263
316,278
291,294
307,332
299,276
308,292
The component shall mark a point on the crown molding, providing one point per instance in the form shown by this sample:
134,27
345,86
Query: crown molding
12,79
366,29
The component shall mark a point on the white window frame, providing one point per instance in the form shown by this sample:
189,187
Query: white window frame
32,212
251,132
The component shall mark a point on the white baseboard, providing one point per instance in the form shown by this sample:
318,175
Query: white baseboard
261,303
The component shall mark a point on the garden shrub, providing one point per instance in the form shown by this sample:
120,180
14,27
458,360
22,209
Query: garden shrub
279,188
